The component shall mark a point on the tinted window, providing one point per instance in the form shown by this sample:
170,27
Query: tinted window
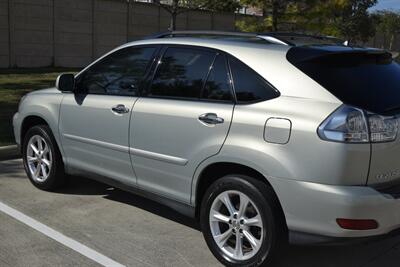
217,86
117,74
368,81
181,73
249,86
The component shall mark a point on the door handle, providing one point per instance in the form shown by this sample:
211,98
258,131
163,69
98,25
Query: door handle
210,118
120,109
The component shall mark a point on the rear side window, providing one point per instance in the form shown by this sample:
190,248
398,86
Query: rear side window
368,80
117,74
250,86
181,73
217,86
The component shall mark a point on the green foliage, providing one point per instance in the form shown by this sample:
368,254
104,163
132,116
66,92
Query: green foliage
354,22
348,19
388,23
176,7
274,11
216,5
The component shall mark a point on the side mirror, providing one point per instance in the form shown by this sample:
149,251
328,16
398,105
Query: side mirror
65,82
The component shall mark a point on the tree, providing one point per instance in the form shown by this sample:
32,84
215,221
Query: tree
176,7
354,21
218,5
348,19
173,8
273,12
388,23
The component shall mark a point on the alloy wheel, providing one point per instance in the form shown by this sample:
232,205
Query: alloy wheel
39,158
236,225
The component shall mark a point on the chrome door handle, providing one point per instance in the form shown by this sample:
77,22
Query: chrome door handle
120,109
210,118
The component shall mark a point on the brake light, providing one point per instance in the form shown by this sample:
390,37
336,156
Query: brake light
353,125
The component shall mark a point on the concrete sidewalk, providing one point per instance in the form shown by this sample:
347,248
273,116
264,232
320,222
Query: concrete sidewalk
134,231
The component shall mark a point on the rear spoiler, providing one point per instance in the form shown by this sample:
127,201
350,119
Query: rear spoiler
306,53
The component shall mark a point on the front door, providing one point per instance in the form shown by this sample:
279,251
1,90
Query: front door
94,121
182,118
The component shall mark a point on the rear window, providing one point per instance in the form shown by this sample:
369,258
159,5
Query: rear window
363,79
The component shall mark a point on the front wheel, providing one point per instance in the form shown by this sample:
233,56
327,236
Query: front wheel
242,222
42,159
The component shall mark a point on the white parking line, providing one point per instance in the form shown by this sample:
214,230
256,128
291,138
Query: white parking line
59,237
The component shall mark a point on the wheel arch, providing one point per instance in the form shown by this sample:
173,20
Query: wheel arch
33,119
217,170
29,122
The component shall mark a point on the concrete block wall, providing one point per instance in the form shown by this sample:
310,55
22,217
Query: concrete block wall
31,24
144,19
72,33
4,35
110,25
199,20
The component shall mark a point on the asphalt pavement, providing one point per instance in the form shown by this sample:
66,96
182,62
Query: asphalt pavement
129,230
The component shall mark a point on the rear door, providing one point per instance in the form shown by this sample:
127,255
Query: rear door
94,121
182,118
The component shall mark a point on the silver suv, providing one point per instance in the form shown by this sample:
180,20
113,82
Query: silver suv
262,140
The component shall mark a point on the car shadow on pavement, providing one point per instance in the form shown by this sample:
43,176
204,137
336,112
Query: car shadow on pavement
384,253
84,186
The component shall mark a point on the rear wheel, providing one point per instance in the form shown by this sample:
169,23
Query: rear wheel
42,158
242,221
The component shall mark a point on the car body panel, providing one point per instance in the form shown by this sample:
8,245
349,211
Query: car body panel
94,138
44,104
326,163
385,163
168,142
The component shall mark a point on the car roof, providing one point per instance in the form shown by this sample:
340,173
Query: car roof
267,59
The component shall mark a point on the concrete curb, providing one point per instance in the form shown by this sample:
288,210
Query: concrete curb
9,152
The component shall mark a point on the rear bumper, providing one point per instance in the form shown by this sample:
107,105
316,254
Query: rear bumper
299,238
313,208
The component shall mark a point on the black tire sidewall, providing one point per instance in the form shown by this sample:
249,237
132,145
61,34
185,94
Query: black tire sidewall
255,191
56,175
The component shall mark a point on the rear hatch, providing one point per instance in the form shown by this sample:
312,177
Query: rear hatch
365,78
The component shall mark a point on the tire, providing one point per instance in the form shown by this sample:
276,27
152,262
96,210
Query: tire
45,153
269,235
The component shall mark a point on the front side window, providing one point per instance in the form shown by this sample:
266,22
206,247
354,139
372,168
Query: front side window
250,86
117,74
181,73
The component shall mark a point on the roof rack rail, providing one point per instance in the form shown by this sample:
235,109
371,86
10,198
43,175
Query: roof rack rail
291,37
167,34
282,38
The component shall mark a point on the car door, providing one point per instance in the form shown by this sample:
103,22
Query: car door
94,120
182,118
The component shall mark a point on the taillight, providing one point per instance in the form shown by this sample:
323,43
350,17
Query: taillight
353,125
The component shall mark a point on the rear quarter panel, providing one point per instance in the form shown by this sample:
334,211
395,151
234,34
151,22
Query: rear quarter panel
304,158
